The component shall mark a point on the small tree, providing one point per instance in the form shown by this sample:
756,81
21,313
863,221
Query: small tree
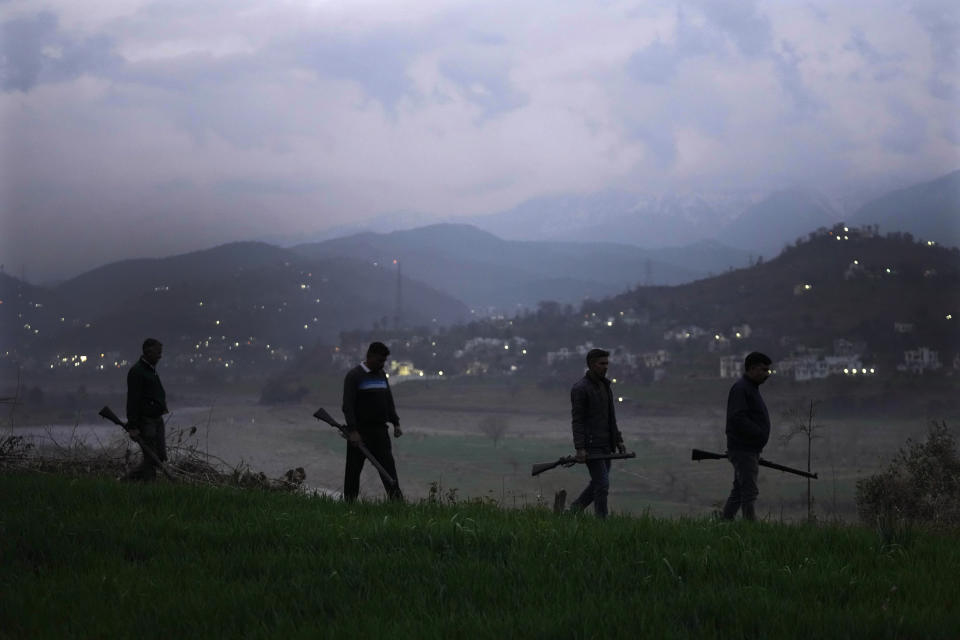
802,421
494,427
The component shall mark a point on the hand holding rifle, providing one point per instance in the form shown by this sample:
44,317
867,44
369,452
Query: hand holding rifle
569,461
134,434
353,437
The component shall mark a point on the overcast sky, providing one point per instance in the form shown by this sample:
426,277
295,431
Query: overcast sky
146,128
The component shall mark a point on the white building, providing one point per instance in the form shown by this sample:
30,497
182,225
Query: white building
919,360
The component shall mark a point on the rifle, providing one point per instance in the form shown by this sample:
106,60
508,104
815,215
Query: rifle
569,461
321,414
108,413
697,454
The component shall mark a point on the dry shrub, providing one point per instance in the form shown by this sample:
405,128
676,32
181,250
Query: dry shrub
920,487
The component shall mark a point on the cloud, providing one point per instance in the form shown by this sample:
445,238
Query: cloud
33,49
166,124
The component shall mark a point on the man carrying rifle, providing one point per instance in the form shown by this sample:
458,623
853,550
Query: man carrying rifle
146,404
594,430
368,407
748,429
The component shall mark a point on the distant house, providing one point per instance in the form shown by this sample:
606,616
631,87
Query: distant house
732,366
919,360
903,327
681,334
808,363
404,369
580,351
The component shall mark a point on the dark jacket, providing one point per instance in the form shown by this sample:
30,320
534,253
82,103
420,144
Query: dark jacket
748,423
145,395
367,399
593,418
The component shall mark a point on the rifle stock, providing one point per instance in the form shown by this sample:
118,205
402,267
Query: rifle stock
568,461
321,414
699,454
108,413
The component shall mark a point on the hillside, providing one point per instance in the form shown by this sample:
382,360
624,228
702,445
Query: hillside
858,289
222,304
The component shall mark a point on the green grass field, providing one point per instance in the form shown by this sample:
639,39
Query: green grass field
91,558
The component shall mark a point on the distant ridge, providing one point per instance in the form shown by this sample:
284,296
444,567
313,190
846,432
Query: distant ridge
486,271
929,210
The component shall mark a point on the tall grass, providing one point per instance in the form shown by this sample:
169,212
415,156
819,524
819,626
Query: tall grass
90,558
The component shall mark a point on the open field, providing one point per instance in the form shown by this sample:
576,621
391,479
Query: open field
443,445
88,557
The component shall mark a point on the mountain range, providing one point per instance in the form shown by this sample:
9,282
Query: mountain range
751,221
493,274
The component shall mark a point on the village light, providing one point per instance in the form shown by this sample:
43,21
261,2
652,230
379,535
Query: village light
506,347
524,352
949,316
620,399
440,373
846,229
83,358
846,371
873,370
609,323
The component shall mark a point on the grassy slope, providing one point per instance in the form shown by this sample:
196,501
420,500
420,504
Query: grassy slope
92,558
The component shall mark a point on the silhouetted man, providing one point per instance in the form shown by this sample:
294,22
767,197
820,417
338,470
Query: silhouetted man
748,430
368,407
146,405
595,430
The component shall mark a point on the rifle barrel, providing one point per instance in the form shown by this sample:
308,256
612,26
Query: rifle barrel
699,454
780,467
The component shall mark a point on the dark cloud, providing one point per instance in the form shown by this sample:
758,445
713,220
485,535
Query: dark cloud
654,64
742,22
34,50
486,84
909,132
787,63
377,62
941,20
